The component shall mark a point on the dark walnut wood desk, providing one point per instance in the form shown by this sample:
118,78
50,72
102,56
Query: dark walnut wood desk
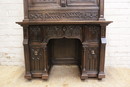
64,32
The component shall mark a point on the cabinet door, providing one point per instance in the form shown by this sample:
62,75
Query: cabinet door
82,2
36,57
92,58
44,3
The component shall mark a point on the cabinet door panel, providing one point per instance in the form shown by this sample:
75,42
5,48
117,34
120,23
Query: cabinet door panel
44,3
82,2
36,54
92,58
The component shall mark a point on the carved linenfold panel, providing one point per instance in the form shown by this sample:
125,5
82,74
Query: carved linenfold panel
92,32
63,15
36,58
93,55
70,31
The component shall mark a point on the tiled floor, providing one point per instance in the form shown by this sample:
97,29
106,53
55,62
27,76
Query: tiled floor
13,76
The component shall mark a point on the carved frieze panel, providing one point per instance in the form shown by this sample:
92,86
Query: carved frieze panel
35,34
74,15
92,32
45,33
69,31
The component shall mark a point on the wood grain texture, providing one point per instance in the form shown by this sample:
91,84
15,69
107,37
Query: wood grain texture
64,32
64,76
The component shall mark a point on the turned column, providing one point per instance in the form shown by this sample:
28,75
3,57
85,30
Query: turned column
101,15
26,6
26,52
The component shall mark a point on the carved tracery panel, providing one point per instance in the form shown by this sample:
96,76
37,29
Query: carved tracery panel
63,15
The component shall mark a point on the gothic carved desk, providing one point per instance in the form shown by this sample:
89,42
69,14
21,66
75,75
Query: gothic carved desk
64,32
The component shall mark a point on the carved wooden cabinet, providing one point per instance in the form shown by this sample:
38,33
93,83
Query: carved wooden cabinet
64,32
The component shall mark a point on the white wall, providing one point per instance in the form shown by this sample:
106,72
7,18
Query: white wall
118,33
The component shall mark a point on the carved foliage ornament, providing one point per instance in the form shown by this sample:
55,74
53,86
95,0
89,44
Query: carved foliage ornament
36,53
70,31
36,32
45,33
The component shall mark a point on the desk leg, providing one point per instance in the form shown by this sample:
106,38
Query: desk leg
83,69
45,70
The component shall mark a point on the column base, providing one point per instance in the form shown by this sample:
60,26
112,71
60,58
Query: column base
84,76
28,76
101,75
45,76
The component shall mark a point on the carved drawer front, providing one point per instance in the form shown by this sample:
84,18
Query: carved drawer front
63,15
92,33
92,53
36,57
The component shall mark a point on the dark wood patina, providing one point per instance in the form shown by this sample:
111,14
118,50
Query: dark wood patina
64,32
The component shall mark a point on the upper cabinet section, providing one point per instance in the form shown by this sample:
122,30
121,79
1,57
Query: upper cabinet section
63,3
63,10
